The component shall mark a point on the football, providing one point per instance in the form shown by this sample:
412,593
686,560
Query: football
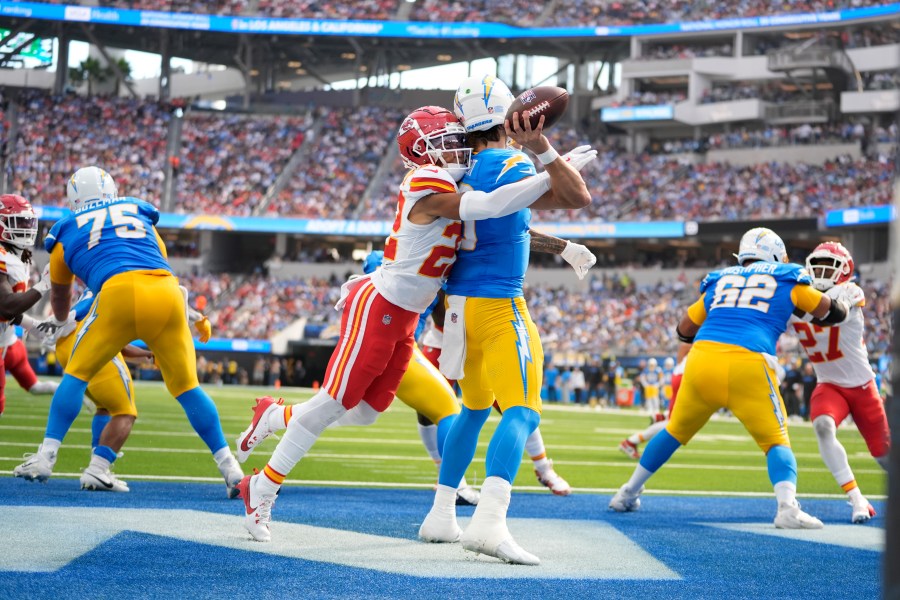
548,101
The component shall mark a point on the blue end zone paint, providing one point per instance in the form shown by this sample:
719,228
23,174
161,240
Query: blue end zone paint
713,563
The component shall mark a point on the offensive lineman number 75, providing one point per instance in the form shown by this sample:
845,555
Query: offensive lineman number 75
124,219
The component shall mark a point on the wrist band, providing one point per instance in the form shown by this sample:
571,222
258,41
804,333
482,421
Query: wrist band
549,156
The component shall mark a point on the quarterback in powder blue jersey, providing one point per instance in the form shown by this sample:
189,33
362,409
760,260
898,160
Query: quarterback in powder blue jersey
734,327
488,321
111,244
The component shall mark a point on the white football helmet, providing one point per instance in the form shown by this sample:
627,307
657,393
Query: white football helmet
481,102
90,184
763,244
669,363
652,364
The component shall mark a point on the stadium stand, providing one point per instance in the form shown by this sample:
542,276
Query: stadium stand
228,162
56,135
565,13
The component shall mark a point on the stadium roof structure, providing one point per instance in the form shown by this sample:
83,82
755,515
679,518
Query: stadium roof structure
323,58
332,50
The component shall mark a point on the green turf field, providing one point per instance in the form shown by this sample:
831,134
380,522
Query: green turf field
582,443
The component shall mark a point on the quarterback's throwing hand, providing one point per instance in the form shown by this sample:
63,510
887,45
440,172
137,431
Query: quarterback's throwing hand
579,257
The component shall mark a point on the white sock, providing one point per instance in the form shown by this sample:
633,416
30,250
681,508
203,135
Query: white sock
262,485
496,493
306,425
855,496
50,445
541,464
634,439
276,418
99,462
786,493
428,433
222,455
444,499
833,454
638,478
534,445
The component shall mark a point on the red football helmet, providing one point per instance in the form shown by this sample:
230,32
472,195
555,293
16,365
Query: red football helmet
18,223
829,264
428,134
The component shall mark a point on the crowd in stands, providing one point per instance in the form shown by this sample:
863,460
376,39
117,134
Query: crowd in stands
566,13
228,162
728,93
613,316
745,137
258,307
652,98
379,10
670,51
342,162
639,187
57,135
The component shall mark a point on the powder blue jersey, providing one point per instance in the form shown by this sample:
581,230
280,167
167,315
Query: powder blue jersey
493,256
108,237
750,306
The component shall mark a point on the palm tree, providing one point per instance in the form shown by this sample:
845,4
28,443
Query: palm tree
124,68
90,71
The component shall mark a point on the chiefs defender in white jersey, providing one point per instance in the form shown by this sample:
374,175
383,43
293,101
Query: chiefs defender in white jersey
846,382
18,231
380,311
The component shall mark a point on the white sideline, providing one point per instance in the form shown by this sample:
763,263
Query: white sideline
429,486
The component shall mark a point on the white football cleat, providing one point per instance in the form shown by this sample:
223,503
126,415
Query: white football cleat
232,472
43,388
440,527
99,480
862,511
37,466
789,516
259,427
258,510
494,539
551,479
625,500
467,496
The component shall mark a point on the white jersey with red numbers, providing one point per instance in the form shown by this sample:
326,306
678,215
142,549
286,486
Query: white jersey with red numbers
417,258
18,274
838,353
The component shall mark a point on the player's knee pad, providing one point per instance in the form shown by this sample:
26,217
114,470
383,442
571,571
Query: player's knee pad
825,427
318,412
360,415
423,420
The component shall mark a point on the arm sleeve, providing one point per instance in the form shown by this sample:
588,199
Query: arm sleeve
697,312
505,200
805,297
59,270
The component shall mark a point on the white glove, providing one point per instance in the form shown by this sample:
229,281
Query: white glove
851,294
43,286
50,330
579,257
580,157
